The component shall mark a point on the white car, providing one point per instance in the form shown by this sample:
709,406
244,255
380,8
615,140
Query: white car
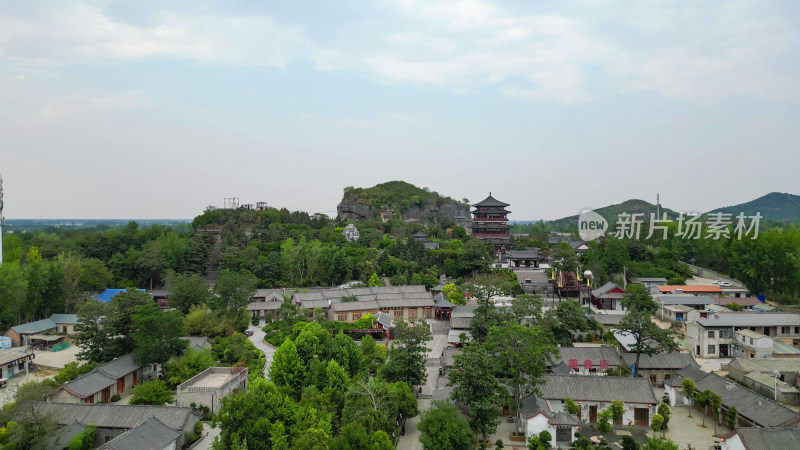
718,281
725,284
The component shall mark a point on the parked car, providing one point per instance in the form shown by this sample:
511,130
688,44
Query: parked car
725,284
248,332
718,281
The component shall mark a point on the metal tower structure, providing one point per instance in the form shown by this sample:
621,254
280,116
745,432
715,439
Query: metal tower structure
2,219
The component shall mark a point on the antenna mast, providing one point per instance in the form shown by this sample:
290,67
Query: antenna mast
658,206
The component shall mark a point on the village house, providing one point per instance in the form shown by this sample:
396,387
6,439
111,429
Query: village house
744,302
265,304
536,416
114,420
751,344
675,307
754,410
608,297
197,342
461,317
771,377
587,360
713,336
104,381
454,337
649,283
761,439
714,291
44,332
152,434
593,394
14,361
210,386
659,367
349,305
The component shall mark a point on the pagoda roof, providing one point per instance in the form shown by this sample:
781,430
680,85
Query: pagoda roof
490,225
488,210
491,201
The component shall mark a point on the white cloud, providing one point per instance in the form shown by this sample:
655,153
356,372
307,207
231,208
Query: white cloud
73,104
565,53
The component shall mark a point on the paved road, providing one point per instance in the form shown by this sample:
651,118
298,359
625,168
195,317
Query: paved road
258,340
208,437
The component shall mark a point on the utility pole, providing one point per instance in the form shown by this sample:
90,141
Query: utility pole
624,278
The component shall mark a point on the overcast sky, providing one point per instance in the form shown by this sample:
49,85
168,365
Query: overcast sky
156,109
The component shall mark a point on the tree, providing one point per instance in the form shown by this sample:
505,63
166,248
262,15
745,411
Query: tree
571,407
83,440
484,287
179,369
617,409
702,399
444,427
374,280
571,316
96,343
564,257
119,321
287,369
545,437
655,443
656,423
527,309
157,335
379,440
154,392
604,421
731,418
648,338
408,354
72,370
233,290
665,412
32,428
689,388
454,294
714,402
186,291
474,384
522,355
378,405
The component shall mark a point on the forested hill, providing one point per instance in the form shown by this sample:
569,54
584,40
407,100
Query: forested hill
406,201
611,212
775,206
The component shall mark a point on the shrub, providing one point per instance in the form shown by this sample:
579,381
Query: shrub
115,398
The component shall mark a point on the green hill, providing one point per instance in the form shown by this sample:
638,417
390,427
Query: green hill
406,201
611,212
775,206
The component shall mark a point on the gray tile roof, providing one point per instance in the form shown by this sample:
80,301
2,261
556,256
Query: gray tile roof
533,404
594,354
561,369
440,301
603,291
523,254
463,311
681,299
151,435
66,433
101,376
608,319
384,319
35,327
597,388
70,319
116,416
197,342
750,319
757,408
264,306
766,364
447,356
648,280
454,336
564,418
769,438
376,297
671,361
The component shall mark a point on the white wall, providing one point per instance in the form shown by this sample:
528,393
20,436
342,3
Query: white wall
629,415
536,425
734,443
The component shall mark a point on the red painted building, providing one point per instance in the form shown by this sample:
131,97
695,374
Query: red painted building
490,223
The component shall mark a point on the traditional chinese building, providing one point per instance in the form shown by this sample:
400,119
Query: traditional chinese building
490,223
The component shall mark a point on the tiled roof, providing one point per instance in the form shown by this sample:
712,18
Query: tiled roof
742,301
757,408
463,311
594,354
152,434
116,416
35,327
264,306
675,288
491,202
376,297
750,319
447,356
648,280
101,376
523,254
564,418
597,388
673,361
766,364
603,291
769,438
197,342
108,294
454,336
440,301
71,319
679,299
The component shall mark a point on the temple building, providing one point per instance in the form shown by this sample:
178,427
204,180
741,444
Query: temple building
490,223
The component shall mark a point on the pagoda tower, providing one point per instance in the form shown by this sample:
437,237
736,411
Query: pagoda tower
490,223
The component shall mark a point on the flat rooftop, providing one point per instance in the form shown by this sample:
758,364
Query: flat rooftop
213,380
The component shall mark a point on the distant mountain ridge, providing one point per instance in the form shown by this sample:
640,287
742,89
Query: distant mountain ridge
775,206
610,213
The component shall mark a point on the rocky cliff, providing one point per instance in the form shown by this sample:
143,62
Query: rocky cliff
401,200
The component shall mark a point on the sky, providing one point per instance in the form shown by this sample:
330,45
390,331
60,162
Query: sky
158,109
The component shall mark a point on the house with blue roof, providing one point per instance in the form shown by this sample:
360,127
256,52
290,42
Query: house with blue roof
108,294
